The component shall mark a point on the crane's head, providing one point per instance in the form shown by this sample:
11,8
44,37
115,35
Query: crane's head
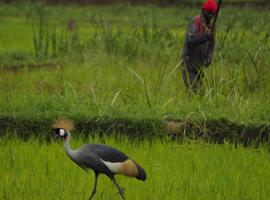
60,132
62,127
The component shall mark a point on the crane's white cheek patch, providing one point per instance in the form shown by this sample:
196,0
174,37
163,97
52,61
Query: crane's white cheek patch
62,132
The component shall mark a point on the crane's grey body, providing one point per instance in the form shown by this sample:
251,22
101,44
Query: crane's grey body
103,159
92,156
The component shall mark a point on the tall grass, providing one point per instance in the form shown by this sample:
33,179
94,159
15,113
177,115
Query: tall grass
39,170
51,41
122,61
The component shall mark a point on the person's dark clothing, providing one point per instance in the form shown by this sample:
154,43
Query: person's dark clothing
197,53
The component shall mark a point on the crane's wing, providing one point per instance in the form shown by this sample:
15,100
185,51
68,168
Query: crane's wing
93,156
104,152
88,160
108,160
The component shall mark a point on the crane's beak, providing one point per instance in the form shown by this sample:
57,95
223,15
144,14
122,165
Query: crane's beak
56,135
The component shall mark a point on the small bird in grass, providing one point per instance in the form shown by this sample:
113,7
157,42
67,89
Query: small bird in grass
98,157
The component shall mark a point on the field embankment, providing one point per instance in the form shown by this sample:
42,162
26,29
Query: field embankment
216,131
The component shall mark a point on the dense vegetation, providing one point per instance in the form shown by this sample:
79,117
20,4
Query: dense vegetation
121,61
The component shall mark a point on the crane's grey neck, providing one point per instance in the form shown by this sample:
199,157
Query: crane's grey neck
68,150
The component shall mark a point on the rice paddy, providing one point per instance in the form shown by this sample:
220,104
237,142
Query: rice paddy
37,170
118,66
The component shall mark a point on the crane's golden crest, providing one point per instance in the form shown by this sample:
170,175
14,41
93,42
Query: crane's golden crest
64,123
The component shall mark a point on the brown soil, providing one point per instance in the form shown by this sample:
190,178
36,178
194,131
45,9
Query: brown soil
29,66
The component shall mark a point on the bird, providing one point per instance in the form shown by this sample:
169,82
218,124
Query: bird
100,158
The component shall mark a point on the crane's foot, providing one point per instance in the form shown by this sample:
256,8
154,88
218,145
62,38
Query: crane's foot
92,194
121,190
122,193
95,187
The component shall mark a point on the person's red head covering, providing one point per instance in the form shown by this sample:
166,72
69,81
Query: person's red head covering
210,6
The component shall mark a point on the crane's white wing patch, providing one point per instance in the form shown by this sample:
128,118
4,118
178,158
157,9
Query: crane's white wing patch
127,167
114,167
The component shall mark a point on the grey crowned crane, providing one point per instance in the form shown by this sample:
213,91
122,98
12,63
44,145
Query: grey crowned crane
98,157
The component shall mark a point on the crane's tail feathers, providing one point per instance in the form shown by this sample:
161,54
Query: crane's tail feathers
141,173
64,123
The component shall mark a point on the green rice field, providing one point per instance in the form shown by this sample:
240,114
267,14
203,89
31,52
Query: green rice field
39,170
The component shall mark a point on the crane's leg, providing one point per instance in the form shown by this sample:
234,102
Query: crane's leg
95,186
120,190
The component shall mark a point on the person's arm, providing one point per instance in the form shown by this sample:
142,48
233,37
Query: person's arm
194,36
